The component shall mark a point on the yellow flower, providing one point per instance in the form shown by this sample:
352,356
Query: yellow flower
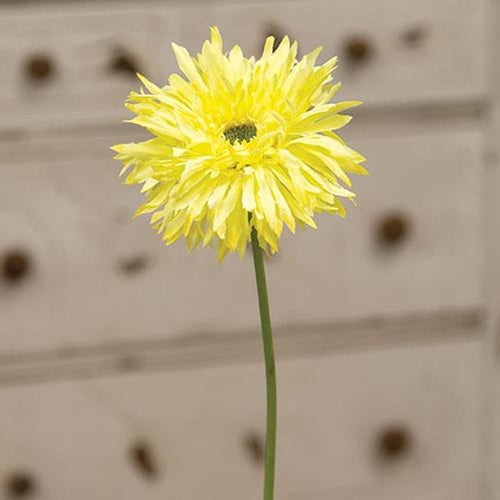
240,144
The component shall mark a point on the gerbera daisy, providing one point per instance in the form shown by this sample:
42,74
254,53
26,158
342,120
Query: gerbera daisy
240,144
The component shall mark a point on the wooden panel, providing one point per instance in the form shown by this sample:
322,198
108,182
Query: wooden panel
340,418
413,244
99,276
75,65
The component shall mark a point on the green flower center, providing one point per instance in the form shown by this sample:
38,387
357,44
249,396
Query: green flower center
240,133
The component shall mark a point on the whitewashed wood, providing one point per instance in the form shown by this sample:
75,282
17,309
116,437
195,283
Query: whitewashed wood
211,350
35,220
72,213
59,198
448,64
74,437
491,351
434,178
82,41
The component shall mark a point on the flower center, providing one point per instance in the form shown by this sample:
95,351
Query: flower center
240,133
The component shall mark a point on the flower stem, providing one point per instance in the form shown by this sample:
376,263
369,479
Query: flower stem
267,339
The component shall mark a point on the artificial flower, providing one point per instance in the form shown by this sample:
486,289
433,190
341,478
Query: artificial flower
240,143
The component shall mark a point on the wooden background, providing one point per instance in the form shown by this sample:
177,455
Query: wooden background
129,370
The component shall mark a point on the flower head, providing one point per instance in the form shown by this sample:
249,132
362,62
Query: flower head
240,143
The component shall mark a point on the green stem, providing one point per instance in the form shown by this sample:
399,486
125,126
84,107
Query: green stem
267,339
